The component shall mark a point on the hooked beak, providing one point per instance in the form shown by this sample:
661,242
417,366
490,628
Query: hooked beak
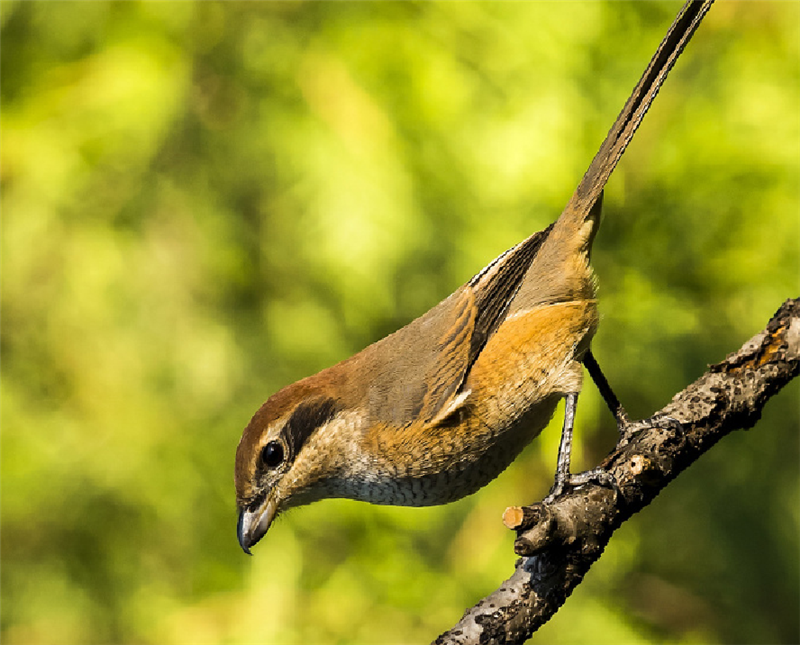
253,525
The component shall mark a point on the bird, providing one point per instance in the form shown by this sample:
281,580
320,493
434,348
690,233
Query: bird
439,408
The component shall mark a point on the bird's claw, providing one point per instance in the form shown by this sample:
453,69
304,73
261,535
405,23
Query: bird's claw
598,476
628,429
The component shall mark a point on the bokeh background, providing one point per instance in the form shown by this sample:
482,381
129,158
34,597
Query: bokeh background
202,202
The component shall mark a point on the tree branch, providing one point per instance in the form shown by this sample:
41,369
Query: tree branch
561,540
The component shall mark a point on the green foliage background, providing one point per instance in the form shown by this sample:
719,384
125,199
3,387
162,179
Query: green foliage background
203,202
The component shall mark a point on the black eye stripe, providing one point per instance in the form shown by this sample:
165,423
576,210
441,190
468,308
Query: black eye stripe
306,418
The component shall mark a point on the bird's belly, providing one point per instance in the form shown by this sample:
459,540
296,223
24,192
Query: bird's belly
452,464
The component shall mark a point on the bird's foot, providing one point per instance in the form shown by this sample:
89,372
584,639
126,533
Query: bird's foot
629,429
598,476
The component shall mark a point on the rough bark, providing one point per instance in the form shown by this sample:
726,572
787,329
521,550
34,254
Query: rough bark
560,540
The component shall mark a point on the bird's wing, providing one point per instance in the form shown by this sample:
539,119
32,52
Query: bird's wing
497,284
417,372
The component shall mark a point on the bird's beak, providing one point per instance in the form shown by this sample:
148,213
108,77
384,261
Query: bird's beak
253,525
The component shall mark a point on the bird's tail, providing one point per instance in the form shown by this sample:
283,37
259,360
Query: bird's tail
582,204
560,271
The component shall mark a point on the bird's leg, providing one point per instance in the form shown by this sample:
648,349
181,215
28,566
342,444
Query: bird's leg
563,476
626,427
590,362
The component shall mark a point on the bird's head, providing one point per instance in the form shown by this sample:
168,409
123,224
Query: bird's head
285,457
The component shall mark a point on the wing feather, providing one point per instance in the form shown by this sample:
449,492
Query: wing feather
417,372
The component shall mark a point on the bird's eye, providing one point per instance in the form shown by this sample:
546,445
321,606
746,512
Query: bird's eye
272,454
